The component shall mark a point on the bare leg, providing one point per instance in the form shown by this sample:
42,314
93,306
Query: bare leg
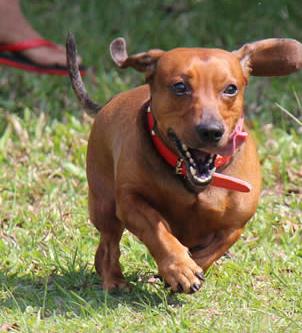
14,28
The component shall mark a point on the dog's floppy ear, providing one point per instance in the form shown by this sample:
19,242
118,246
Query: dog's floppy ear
271,57
143,62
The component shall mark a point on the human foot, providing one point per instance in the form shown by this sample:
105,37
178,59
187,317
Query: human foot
15,28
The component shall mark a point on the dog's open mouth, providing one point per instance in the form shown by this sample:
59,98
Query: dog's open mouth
200,165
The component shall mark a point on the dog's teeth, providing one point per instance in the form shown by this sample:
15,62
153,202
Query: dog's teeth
192,161
193,171
199,180
202,180
188,154
209,159
184,147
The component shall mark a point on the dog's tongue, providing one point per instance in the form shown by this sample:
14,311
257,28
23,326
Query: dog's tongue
236,139
230,183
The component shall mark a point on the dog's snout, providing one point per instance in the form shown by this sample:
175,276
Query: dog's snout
210,133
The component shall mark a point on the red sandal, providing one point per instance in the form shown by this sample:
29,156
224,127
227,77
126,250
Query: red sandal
10,56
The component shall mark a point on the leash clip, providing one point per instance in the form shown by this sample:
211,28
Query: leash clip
178,167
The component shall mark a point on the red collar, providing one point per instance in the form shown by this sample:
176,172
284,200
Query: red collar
219,180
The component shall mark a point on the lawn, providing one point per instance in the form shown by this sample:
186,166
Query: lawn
48,282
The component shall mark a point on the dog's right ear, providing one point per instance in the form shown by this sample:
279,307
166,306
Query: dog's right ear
143,62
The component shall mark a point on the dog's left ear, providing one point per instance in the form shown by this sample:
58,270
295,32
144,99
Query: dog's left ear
143,62
271,57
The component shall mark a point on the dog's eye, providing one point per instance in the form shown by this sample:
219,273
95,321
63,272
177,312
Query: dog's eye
180,89
230,90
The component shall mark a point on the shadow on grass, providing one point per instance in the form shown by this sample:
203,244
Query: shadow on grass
78,293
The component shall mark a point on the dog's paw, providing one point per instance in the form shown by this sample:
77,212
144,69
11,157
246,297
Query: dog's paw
182,275
111,285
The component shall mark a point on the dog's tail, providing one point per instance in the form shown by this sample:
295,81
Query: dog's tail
78,86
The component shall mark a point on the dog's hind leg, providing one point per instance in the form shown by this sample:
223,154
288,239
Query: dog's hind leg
102,215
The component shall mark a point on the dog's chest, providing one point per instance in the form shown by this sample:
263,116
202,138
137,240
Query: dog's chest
193,218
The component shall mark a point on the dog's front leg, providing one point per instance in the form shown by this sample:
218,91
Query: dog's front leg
173,260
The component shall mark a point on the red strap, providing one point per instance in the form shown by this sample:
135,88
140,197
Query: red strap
169,156
230,183
26,45
37,68
163,150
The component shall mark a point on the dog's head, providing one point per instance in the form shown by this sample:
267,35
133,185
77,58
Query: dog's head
197,94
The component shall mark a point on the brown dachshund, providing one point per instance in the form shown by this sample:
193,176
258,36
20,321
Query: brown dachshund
172,160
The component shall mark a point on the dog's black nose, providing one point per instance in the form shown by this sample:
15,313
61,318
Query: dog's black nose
210,133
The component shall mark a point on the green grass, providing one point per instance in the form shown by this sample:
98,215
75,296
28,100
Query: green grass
48,283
